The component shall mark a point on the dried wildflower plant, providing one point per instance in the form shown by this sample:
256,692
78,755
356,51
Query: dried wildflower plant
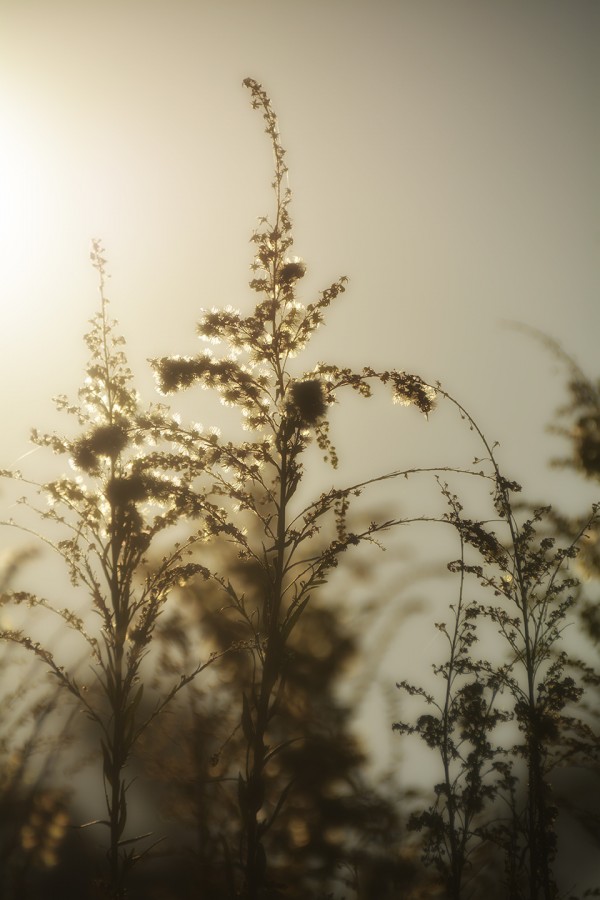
108,517
525,598
577,422
142,479
286,411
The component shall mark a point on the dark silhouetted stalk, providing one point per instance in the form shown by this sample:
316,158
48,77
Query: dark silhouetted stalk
529,576
286,410
111,513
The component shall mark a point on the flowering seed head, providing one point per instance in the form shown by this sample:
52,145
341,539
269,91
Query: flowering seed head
291,271
307,400
107,440
121,491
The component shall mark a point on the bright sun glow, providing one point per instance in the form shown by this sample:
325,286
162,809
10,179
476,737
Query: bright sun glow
27,200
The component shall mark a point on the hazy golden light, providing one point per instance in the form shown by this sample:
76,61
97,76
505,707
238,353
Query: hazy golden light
443,156
25,201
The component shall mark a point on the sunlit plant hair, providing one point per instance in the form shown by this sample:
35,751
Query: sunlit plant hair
103,522
285,408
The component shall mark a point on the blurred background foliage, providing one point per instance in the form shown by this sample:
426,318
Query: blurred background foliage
342,829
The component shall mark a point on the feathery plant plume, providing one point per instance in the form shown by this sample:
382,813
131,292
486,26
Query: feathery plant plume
286,410
110,515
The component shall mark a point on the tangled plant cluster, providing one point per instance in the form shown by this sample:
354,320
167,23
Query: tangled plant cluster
143,478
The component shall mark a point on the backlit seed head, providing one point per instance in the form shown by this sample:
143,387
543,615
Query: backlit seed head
121,491
307,400
291,271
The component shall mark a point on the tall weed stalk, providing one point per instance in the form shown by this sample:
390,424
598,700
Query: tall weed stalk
102,522
528,594
286,409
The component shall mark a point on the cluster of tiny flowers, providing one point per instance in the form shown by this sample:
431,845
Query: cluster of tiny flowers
175,372
410,389
291,270
307,400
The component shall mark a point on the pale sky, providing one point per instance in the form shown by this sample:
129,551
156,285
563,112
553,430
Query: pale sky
443,155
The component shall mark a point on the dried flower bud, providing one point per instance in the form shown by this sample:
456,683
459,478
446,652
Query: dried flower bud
410,389
108,440
105,440
121,491
307,400
84,457
291,271
174,373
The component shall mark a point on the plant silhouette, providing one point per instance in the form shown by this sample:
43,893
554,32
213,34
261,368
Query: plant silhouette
219,547
334,824
526,595
261,479
102,523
